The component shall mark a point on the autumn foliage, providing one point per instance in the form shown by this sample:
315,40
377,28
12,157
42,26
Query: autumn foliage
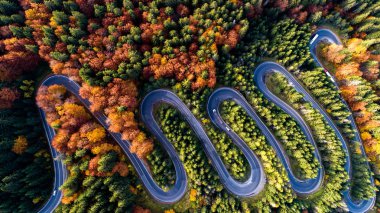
7,96
99,40
69,199
107,45
20,145
116,48
354,69
118,100
301,13
77,130
139,209
16,58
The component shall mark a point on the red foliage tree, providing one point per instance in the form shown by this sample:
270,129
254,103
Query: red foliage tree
118,100
298,13
139,209
87,6
282,4
17,59
7,97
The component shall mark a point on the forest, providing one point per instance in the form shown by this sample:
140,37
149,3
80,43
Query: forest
119,51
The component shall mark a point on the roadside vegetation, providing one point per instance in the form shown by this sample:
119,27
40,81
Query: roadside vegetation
361,184
119,50
94,161
26,169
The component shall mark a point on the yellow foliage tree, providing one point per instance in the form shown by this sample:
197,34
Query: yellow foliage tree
75,110
36,200
20,145
366,136
372,150
358,50
96,135
103,148
70,199
193,195
57,90
56,124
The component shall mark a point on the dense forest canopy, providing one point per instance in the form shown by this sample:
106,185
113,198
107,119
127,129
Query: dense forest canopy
120,50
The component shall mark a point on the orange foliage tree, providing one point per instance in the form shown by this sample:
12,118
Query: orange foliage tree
118,101
69,199
20,145
126,41
352,59
16,58
353,68
76,130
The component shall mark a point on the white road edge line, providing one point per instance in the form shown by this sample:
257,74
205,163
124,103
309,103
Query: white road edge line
315,37
332,79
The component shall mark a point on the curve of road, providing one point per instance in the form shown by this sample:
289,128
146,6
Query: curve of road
171,196
250,187
301,187
60,171
259,77
326,35
256,178
255,181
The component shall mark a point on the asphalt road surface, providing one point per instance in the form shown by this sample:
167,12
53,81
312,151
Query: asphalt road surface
326,35
170,196
303,187
60,172
255,181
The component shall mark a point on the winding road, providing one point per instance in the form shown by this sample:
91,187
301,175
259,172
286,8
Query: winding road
60,171
301,187
255,182
326,35
171,196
